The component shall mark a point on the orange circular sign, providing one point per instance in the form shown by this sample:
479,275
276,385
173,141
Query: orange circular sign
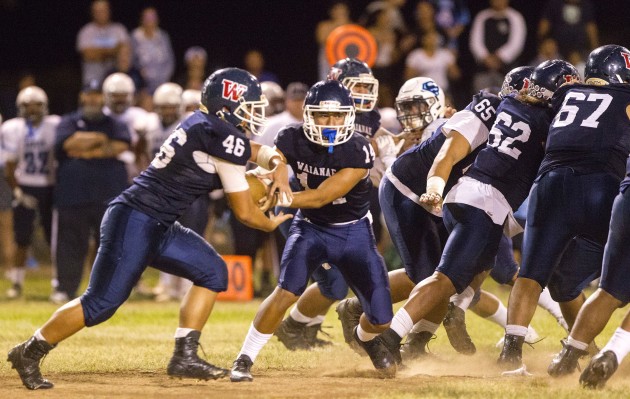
351,41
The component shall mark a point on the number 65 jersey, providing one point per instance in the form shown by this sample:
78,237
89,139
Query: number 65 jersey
186,167
591,129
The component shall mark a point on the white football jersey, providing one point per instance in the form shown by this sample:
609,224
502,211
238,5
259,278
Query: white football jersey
157,134
32,148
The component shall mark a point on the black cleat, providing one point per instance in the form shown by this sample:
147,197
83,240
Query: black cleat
601,367
392,340
382,358
310,336
241,369
291,334
349,312
511,356
186,364
25,359
416,345
565,362
455,326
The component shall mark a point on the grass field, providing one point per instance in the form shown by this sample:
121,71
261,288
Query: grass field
126,358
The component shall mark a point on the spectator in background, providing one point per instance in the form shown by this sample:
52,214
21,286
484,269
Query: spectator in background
547,50
7,245
88,176
571,23
275,97
293,103
395,12
152,50
255,64
193,77
432,61
338,14
497,39
99,42
452,17
425,22
124,64
28,142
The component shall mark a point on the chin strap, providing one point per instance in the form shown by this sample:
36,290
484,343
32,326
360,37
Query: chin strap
330,135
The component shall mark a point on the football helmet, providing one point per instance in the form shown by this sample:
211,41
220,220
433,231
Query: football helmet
516,80
420,101
358,78
548,76
328,97
32,103
167,100
118,89
191,99
235,96
610,63
274,95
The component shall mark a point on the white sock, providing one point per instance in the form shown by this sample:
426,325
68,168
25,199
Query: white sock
298,316
363,335
183,332
577,344
619,344
425,325
546,302
517,330
16,275
500,316
38,335
464,299
317,320
402,323
254,342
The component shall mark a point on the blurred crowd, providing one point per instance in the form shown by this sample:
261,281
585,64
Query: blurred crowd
130,93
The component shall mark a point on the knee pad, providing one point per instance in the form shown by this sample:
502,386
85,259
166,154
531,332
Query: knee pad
503,273
331,283
97,310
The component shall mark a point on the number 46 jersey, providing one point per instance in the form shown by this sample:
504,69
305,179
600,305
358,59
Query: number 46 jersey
591,129
185,168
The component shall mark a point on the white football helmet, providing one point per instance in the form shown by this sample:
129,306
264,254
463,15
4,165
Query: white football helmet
119,90
420,101
167,101
191,99
32,95
275,96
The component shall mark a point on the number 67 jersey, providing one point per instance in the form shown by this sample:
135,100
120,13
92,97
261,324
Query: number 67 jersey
591,130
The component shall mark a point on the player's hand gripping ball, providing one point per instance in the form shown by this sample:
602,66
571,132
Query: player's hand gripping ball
258,189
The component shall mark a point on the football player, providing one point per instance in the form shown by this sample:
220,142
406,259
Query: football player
28,145
332,225
209,150
589,141
481,203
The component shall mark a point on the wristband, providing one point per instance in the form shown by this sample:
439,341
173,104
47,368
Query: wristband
435,184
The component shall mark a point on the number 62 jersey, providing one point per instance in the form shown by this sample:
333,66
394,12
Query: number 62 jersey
591,129
185,168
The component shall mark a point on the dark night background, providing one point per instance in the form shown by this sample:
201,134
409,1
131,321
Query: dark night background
39,36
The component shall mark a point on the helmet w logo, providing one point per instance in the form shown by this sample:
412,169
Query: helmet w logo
233,90
626,58
432,87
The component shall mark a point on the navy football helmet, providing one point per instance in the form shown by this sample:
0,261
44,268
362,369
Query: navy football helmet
548,76
235,96
516,80
328,97
610,63
353,72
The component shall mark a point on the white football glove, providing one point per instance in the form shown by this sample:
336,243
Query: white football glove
387,147
22,199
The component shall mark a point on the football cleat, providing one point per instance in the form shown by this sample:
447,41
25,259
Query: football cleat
512,353
601,367
382,358
565,362
349,312
15,291
291,334
392,340
186,364
241,369
25,359
455,326
310,336
416,345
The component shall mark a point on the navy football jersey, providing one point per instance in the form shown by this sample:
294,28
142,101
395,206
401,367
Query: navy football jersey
182,170
367,123
591,131
312,164
626,182
412,167
514,150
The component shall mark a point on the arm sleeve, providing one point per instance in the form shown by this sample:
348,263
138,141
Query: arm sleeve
468,125
477,42
232,175
8,143
510,51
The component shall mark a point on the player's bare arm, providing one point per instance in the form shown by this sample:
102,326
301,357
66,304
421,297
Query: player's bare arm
82,141
332,188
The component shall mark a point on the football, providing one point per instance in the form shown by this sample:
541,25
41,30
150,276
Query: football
257,188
